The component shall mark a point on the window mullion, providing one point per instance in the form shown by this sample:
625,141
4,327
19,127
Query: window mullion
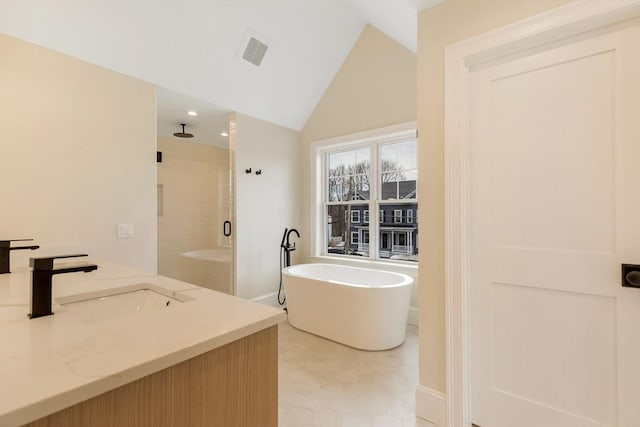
374,221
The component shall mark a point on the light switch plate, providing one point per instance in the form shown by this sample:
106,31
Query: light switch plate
125,231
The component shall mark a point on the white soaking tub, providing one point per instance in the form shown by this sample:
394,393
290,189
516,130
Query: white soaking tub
358,307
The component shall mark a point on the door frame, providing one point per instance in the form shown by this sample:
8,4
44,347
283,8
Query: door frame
461,59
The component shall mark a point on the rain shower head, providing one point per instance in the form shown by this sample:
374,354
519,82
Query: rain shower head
183,134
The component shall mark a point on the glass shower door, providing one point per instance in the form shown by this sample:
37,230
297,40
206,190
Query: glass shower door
195,238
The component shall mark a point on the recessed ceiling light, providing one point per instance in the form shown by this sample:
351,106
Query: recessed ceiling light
224,134
192,113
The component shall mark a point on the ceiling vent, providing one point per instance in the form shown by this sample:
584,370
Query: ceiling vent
253,47
254,52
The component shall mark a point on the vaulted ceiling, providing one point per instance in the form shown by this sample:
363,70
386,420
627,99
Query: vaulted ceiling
195,46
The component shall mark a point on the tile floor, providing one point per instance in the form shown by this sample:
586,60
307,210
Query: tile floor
325,384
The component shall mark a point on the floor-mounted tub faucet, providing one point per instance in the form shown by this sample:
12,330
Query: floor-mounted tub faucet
5,253
42,278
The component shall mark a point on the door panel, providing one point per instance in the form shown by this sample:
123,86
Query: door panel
586,337
539,124
555,142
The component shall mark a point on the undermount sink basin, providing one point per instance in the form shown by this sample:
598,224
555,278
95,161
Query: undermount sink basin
115,303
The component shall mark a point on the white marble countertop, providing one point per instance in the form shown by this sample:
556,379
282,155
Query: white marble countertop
52,362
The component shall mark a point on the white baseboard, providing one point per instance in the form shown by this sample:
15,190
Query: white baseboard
431,406
413,316
270,299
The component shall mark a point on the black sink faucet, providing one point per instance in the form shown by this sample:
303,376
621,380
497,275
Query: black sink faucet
42,278
5,252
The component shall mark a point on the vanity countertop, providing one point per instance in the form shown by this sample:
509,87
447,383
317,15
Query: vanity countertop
53,362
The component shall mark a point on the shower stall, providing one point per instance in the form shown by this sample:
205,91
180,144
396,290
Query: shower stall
195,239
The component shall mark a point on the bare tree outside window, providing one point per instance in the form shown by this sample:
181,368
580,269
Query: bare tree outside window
351,182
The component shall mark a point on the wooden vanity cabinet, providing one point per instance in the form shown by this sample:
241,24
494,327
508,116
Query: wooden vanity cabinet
235,385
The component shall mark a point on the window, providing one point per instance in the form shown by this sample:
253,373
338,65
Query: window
397,216
362,178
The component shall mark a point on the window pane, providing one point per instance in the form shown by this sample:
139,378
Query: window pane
361,188
348,175
335,162
398,170
335,189
347,234
362,159
388,155
407,187
388,186
399,232
349,160
407,155
346,188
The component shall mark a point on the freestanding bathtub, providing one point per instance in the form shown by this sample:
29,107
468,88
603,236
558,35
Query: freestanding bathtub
359,307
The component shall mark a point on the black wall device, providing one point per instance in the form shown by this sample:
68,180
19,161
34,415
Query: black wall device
631,275
159,156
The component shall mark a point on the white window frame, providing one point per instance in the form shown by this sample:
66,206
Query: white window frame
409,216
318,159
355,216
355,238
381,216
365,216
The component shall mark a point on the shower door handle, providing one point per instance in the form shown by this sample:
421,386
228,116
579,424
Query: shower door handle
226,228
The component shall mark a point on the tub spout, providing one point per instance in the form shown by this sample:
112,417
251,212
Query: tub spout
292,245
289,246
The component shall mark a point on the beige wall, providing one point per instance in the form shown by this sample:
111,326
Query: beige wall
439,26
265,204
76,155
195,203
375,87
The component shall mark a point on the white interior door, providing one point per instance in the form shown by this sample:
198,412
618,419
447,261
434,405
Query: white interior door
555,210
